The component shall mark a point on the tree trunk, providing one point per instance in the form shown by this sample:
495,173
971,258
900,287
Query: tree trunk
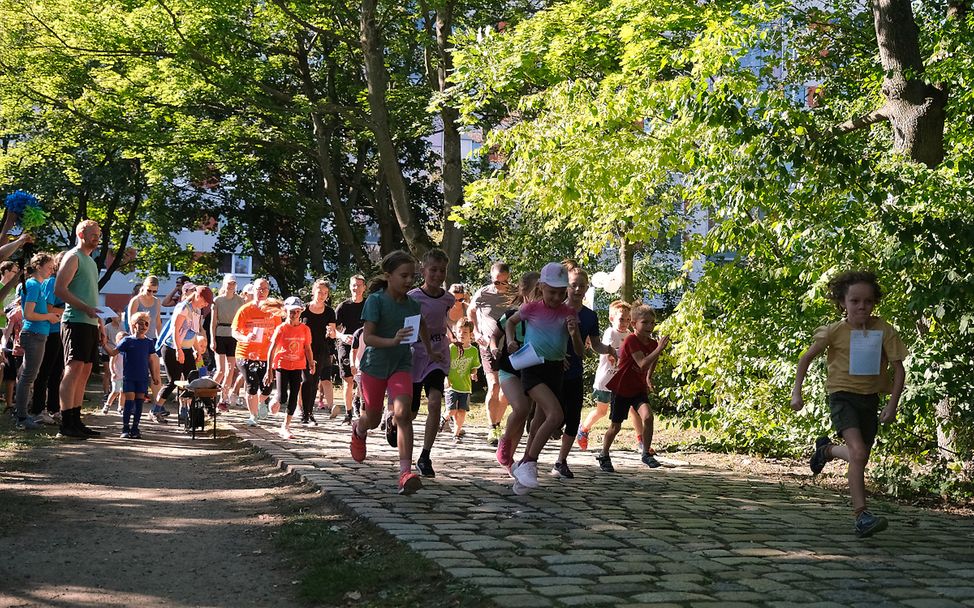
377,80
626,251
452,172
914,108
123,241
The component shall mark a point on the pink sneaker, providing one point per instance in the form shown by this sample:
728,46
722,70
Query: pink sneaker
357,445
409,483
503,454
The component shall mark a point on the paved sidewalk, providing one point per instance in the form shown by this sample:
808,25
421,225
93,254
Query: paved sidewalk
686,536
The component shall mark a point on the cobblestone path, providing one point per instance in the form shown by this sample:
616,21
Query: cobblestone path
684,536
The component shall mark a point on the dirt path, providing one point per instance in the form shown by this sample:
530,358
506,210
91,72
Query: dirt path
165,521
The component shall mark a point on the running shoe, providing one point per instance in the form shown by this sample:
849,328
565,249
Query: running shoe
494,436
605,463
410,483
275,407
335,411
251,421
425,467
223,406
444,424
262,410
310,420
320,405
521,490
126,434
104,409
357,445
27,424
88,431
868,524
348,418
650,460
285,433
392,433
503,454
46,418
582,439
561,470
817,462
135,433
526,473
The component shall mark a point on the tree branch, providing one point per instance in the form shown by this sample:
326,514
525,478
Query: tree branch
859,122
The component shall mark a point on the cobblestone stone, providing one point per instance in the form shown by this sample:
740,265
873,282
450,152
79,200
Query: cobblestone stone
672,538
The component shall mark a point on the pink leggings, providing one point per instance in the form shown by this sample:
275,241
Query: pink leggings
399,384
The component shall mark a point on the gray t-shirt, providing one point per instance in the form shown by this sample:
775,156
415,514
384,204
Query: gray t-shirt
225,309
489,306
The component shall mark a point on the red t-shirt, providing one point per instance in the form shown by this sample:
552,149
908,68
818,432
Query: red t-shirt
290,350
630,380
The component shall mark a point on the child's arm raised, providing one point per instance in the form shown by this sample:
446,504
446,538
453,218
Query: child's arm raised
648,361
572,324
803,363
899,379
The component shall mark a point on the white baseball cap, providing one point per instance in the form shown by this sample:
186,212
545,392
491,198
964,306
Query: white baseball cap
554,275
293,303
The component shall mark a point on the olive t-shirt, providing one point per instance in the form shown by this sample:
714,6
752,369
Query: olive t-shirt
840,339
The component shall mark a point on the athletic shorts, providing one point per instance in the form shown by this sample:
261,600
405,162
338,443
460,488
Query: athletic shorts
80,342
135,386
855,411
435,380
345,360
225,345
549,373
457,401
601,396
619,410
254,372
374,390
488,360
13,364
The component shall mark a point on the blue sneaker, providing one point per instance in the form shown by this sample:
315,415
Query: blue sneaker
868,524
817,462
27,424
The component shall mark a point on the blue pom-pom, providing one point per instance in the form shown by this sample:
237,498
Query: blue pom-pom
17,201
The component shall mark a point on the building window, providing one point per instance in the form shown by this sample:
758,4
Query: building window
236,264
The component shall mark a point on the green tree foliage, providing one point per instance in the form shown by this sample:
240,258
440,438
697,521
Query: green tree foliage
609,102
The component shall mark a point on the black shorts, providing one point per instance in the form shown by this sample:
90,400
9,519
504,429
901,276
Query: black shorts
345,360
254,372
225,345
80,342
549,373
434,380
13,364
619,410
855,411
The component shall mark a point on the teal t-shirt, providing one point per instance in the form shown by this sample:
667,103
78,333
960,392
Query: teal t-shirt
461,366
388,315
84,286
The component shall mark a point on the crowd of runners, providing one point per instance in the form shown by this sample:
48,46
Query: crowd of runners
392,347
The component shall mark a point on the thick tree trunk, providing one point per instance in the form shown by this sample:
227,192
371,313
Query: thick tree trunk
914,108
377,80
452,159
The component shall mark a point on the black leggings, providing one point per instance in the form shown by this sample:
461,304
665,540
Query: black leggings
309,388
288,387
572,396
176,370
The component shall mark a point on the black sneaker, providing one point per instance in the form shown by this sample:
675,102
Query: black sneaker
392,433
817,462
868,524
425,467
605,463
135,434
561,470
650,460
88,431
348,418
70,431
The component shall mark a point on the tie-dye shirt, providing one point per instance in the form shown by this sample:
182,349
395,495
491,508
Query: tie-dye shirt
545,329
434,310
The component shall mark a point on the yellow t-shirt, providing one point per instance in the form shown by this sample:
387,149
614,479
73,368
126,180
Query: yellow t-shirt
839,339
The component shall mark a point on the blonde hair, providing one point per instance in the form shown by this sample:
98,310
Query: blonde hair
139,316
84,225
642,311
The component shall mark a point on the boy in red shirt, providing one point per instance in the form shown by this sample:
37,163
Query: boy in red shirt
632,383
288,356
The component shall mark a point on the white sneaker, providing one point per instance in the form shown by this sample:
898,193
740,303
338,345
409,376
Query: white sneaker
285,433
104,409
521,490
251,421
526,473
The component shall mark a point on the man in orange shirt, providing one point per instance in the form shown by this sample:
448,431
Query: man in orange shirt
253,327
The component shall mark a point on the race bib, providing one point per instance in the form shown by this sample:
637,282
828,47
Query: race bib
865,352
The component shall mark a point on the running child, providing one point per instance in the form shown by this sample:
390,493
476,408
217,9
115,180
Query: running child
288,358
428,374
859,349
387,362
528,290
549,323
614,335
573,390
631,384
139,362
464,362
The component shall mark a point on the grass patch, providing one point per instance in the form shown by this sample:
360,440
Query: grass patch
349,561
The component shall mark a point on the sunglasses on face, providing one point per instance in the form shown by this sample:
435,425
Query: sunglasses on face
496,283
141,323
151,290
